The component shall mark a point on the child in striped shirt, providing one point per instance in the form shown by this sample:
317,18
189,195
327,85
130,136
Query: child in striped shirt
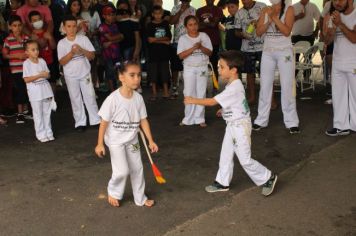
14,51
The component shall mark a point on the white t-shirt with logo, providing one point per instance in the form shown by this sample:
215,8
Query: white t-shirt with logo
179,28
233,102
305,25
243,17
79,66
124,116
39,89
197,58
344,50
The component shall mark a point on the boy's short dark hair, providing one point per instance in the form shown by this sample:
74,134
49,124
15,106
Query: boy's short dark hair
68,18
33,13
188,18
156,8
233,58
232,2
14,18
28,42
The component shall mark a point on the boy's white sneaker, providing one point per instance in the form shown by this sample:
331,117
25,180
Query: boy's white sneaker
44,140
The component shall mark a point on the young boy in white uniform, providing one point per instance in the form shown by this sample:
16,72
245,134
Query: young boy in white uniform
340,27
194,48
237,139
122,113
74,53
35,74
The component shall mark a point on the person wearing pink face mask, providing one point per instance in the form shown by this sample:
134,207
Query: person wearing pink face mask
276,22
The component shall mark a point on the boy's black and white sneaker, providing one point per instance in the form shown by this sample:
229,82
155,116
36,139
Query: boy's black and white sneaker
256,127
337,132
216,187
294,130
268,187
20,119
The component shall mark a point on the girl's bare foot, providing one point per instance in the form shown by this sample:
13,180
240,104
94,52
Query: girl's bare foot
149,203
203,125
113,201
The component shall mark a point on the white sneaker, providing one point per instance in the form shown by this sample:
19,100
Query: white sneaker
44,140
51,138
328,102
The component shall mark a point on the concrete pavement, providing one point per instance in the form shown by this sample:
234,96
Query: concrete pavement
314,197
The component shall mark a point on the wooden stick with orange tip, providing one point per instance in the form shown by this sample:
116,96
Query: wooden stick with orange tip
213,77
156,172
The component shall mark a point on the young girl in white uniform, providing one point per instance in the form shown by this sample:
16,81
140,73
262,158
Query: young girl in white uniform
237,139
194,48
122,114
74,53
276,23
35,74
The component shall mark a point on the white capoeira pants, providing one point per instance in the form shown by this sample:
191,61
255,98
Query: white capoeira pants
41,111
284,60
81,91
237,140
195,84
126,161
344,96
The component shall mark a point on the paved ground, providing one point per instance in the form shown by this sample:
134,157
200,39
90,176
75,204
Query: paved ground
59,188
315,197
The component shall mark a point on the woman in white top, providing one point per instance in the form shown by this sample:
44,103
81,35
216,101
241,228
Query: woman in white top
194,48
276,22
74,8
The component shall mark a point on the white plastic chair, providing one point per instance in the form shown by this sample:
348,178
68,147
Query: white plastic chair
301,46
306,63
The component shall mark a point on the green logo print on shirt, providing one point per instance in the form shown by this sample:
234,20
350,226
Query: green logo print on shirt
288,58
245,105
135,147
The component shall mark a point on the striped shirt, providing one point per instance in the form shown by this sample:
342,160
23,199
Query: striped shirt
13,47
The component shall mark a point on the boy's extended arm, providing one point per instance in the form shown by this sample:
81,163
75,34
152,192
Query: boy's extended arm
201,101
147,130
100,148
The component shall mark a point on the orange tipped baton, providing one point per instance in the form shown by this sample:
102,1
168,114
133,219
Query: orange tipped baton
156,172
213,77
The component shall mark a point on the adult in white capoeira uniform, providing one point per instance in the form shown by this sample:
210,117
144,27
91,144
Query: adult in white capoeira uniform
194,48
276,22
340,27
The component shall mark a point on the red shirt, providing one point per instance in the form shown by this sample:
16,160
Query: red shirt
13,46
209,13
46,52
